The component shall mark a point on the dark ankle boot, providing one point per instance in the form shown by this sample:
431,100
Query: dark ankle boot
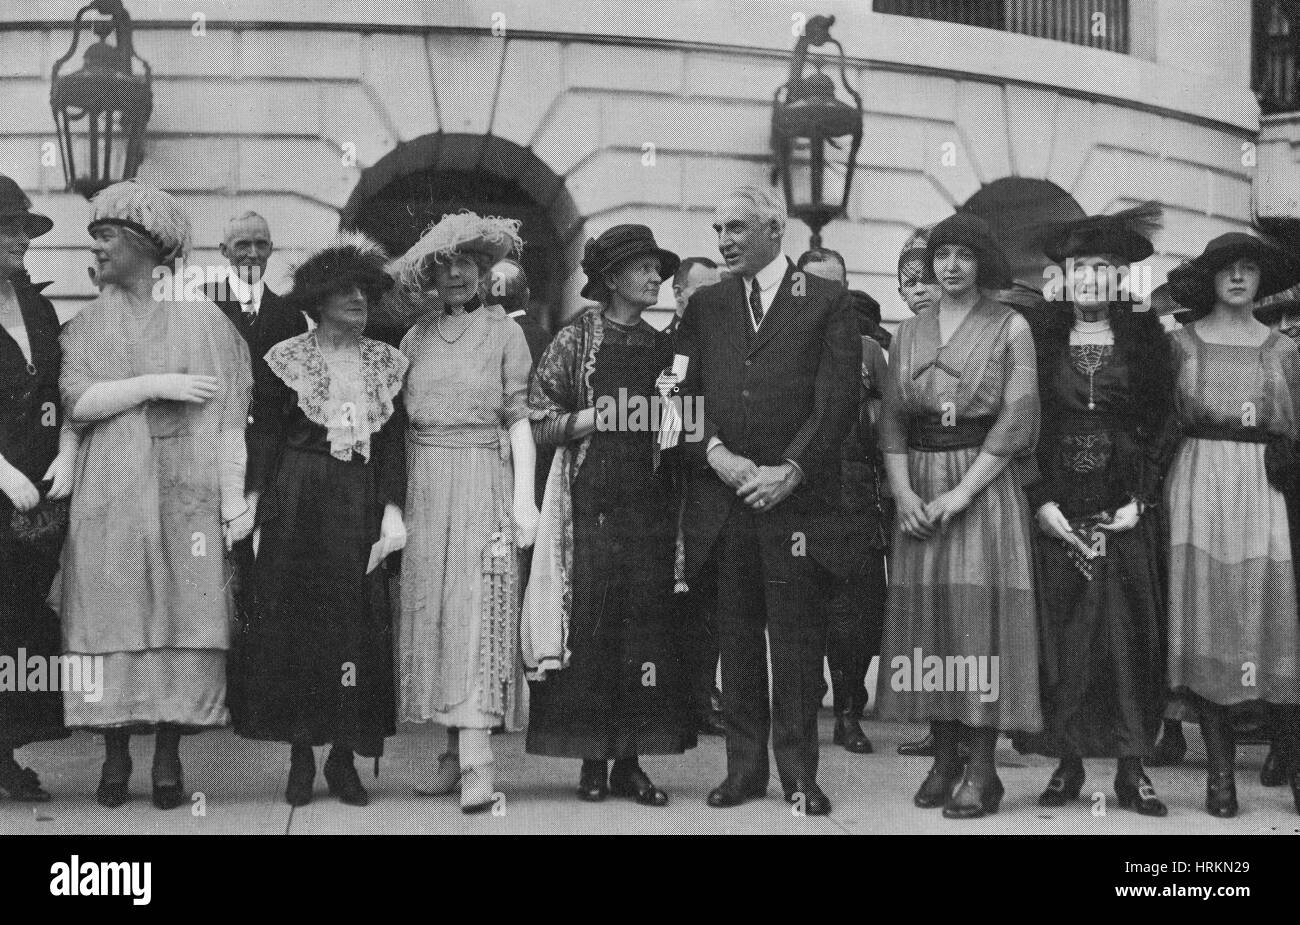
168,775
848,730
1273,771
1065,784
946,770
302,775
1221,757
1172,747
19,783
980,791
1134,791
593,782
342,779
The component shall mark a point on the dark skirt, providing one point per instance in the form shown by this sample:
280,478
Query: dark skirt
28,628
625,691
314,664
1102,663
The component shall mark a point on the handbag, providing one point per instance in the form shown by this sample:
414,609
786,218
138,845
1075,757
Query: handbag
44,526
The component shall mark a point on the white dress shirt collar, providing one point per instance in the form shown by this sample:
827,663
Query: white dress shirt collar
244,293
769,280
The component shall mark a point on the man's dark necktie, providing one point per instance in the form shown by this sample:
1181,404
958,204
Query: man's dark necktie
755,304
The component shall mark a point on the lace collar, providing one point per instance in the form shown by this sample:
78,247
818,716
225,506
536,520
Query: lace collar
299,364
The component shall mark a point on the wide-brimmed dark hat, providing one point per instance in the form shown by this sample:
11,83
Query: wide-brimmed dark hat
352,260
618,244
1125,235
973,232
15,204
1192,284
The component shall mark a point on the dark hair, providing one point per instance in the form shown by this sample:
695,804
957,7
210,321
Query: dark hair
354,260
973,233
684,269
821,255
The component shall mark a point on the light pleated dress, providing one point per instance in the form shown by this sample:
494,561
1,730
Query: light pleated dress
965,596
457,639
1232,595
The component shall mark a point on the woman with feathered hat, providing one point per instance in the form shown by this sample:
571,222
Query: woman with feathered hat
469,503
37,449
327,479
612,534
160,390
1234,642
1106,392
958,427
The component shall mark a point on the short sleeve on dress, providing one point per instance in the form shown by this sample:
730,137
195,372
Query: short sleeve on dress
1015,432
516,364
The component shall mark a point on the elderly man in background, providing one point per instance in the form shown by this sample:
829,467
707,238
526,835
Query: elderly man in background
263,319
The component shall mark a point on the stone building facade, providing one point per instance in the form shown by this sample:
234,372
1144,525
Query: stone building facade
575,116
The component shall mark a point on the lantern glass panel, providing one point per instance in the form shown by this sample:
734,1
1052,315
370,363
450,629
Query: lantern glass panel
99,144
800,173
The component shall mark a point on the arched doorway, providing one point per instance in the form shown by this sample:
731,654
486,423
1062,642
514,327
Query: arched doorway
1016,209
424,179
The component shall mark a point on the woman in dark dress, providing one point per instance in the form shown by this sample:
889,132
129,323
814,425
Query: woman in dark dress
615,687
327,472
1106,391
34,450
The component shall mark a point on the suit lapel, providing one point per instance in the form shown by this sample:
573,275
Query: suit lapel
784,307
735,314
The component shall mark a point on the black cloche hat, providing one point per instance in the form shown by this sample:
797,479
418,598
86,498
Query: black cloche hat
15,204
620,243
1192,283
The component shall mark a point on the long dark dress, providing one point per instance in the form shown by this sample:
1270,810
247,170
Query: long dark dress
315,663
624,692
1101,669
30,417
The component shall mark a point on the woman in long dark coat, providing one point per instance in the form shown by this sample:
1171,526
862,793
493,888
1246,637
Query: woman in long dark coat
315,666
1106,391
623,692
31,418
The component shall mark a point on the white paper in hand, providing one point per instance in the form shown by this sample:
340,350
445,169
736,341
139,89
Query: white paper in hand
377,554
670,422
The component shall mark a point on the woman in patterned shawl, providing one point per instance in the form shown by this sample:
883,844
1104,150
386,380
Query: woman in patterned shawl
614,687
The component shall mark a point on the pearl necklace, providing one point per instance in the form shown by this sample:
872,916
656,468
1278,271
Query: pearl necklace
437,323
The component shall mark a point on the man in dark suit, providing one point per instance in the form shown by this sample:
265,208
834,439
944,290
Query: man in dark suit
774,366
263,319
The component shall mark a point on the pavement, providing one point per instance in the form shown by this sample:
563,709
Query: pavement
237,788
